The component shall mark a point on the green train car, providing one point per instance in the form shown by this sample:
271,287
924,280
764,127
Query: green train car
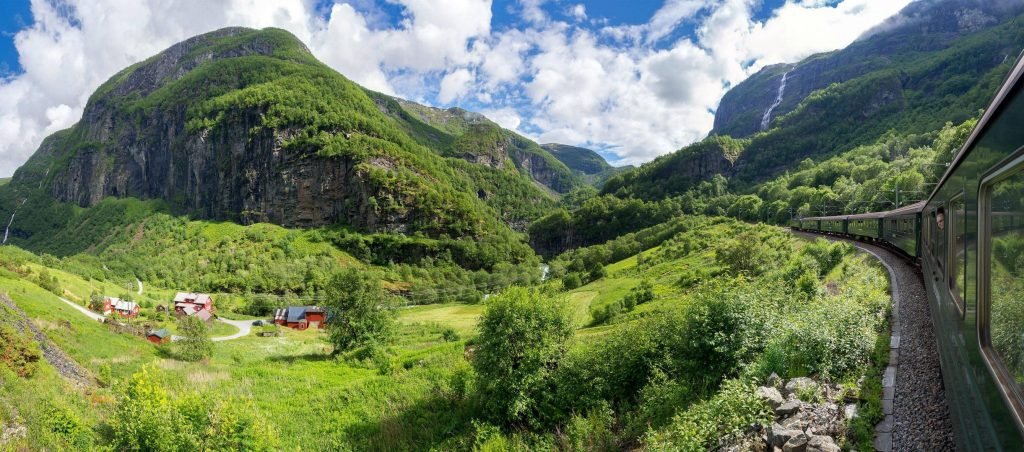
968,238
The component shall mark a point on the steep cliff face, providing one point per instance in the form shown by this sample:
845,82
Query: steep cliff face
937,61
246,125
921,29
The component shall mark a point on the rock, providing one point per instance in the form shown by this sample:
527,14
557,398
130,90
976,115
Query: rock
822,443
788,408
771,395
798,384
797,443
850,411
779,435
774,380
13,432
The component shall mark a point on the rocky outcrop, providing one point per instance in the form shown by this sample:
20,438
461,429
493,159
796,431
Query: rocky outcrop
815,424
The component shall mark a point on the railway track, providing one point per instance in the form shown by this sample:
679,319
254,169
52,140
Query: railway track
914,399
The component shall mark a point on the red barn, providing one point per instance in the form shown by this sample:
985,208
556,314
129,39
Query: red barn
190,303
161,336
123,308
301,317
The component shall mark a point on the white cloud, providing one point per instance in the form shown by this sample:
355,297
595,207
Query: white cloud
454,85
622,88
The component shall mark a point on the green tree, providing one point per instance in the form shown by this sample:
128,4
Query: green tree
522,340
195,343
362,311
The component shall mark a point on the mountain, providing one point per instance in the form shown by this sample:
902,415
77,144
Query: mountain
586,163
937,61
247,126
470,136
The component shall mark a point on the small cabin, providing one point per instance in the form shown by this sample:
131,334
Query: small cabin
301,317
114,305
187,303
161,336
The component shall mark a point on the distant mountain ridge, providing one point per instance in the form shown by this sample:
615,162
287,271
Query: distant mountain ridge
590,165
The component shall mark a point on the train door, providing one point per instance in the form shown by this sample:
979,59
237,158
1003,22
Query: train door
1000,307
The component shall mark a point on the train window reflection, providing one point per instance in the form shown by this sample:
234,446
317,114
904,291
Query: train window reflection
1006,266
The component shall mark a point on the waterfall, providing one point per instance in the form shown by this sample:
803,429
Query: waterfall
767,118
11,221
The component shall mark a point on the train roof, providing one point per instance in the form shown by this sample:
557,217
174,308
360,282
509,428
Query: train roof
908,209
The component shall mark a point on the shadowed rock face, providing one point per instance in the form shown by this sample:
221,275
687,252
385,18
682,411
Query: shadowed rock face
237,171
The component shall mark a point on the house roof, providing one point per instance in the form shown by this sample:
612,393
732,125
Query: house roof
161,333
190,297
189,310
298,313
204,315
122,305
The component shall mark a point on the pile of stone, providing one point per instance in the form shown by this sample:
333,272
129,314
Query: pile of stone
813,424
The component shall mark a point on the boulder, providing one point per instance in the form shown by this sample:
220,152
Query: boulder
770,395
797,443
780,435
799,384
788,408
822,443
774,380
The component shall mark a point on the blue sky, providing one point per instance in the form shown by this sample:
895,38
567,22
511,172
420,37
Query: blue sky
630,79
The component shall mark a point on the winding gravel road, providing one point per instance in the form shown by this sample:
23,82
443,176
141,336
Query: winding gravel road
917,413
83,310
244,327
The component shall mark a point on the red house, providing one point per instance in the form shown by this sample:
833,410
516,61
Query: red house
186,303
301,317
123,308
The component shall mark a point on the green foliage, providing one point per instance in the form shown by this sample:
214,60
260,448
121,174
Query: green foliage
18,351
591,432
361,313
147,418
598,219
522,339
732,409
195,343
754,252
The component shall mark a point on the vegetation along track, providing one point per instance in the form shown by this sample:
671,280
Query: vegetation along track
914,400
64,364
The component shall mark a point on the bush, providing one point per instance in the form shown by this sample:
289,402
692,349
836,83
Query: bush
146,418
362,314
521,343
18,352
730,410
592,432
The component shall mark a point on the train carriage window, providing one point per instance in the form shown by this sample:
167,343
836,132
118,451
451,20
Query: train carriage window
955,223
1002,329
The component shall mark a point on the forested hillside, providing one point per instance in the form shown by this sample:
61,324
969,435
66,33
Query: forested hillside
909,77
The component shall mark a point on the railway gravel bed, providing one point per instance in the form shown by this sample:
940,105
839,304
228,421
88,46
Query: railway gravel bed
914,399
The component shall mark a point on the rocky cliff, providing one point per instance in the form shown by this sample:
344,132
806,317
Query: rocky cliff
938,61
245,125
922,28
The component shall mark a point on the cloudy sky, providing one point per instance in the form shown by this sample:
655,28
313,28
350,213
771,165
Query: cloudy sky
632,79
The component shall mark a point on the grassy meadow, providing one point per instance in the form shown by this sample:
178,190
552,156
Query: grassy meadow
417,393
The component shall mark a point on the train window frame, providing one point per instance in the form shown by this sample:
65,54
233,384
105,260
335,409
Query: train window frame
1011,392
958,295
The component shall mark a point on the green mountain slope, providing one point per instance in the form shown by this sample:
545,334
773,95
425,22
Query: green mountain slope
247,126
588,164
908,77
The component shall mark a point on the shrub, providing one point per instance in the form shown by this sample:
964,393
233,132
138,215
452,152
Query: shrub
362,314
592,432
521,343
18,352
450,335
733,408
